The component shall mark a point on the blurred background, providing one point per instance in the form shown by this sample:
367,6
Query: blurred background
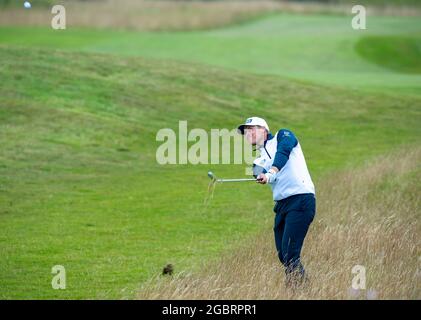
182,14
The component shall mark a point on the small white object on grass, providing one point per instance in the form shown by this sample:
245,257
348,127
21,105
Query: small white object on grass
27,5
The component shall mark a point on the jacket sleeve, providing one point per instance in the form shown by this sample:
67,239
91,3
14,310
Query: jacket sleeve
286,142
257,170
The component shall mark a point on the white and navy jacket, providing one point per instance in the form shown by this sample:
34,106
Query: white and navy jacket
283,151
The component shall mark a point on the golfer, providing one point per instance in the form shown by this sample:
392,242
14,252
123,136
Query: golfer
281,164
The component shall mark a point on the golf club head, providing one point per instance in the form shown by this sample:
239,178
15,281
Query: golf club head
211,175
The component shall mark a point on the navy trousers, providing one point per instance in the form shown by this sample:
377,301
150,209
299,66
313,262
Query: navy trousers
292,220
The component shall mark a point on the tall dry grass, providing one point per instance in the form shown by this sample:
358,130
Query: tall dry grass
144,15
174,15
368,216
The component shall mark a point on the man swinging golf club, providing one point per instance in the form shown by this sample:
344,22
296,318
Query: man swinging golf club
281,164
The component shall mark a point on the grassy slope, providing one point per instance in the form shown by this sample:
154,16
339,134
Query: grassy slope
365,216
79,183
396,53
306,47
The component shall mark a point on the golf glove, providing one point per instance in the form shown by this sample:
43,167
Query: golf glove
270,176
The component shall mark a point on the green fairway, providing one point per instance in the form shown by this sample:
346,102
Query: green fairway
306,47
79,183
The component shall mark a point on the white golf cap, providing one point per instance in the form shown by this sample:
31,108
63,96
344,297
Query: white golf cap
253,121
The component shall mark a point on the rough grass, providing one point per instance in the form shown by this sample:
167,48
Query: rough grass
368,216
144,15
79,183
179,15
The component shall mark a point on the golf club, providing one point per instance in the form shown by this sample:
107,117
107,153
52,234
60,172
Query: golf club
213,177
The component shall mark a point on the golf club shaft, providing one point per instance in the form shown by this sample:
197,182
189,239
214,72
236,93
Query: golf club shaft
234,180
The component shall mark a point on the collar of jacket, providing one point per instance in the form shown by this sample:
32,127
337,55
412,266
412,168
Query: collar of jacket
269,137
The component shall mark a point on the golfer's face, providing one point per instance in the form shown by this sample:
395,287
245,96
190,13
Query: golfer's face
255,135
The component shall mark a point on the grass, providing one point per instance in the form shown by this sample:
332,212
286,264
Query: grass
413,3
182,15
79,113
396,53
79,181
316,48
144,15
366,216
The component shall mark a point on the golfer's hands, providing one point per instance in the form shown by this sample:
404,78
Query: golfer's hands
261,178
